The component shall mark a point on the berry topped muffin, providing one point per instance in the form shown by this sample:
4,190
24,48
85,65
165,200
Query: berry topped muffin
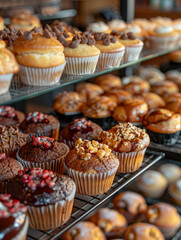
10,116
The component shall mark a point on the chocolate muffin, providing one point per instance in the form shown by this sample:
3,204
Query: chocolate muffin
10,116
40,124
43,152
9,168
49,197
13,219
80,128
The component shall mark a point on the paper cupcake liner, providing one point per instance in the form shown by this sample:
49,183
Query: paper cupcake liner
53,165
41,76
5,81
131,161
51,216
10,152
109,60
81,65
163,43
23,233
91,184
132,53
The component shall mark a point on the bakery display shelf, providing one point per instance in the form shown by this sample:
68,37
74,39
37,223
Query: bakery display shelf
19,92
84,205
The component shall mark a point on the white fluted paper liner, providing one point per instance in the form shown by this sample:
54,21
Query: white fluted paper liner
109,60
91,184
53,165
132,53
80,65
163,43
41,76
130,161
23,233
51,216
5,81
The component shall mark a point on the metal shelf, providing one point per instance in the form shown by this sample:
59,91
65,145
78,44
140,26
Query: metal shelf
84,205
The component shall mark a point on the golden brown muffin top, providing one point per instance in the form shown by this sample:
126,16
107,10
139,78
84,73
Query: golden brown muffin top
175,56
8,62
89,90
153,100
174,105
165,88
137,86
25,19
84,231
172,97
143,231
118,95
91,157
108,81
125,138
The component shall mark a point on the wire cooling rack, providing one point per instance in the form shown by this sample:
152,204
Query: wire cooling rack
84,205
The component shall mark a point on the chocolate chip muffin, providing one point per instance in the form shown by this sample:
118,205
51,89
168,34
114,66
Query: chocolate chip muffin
92,166
49,197
43,152
10,116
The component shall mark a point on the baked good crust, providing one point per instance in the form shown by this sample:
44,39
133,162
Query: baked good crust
153,100
108,82
8,62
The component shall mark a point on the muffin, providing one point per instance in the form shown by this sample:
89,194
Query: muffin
171,171
10,116
174,191
40,124
43,152
131,110
165,217
40,56
112,51
9,168
9,66
174,104
89,90
11,139
131,205
175,76
92,166
163,126
136,86
165,88
118,95
116,24
153,100
176,24
108,82
79,128
175,57
143,231
152,184
98,27
128,143
151,74
111,222
135,29
99,110
49,197
84,230
13,218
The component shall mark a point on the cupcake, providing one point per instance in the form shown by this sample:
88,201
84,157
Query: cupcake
163,37
43,152
79,128
10,116
13,218
171,171
135,29
163,126
131,205
153,100
108,82
40,124
143,231
40,57
118,95
136,86
9,66
99,110
11,139
116,24
111,222
176,24
165,88
98,27
174,104
174,191
89,90
175,76
131,110
92,166
165,217
9,168
49,197
112,51
128,143
152,184
84,230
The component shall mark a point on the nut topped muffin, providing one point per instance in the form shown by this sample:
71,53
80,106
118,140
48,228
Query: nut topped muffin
13,218
49,196
108,82
93,161
10,116
89,90
43,152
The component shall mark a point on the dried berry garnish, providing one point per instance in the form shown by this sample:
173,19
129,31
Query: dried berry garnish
80,123
6,111
43,142
36,117
2,156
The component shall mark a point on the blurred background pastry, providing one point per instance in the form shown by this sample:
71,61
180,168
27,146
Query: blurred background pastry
165,88
153,100
108,82
172,172
174,191
89,90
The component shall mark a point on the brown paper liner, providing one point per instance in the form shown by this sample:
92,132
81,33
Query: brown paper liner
3,187
10,152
